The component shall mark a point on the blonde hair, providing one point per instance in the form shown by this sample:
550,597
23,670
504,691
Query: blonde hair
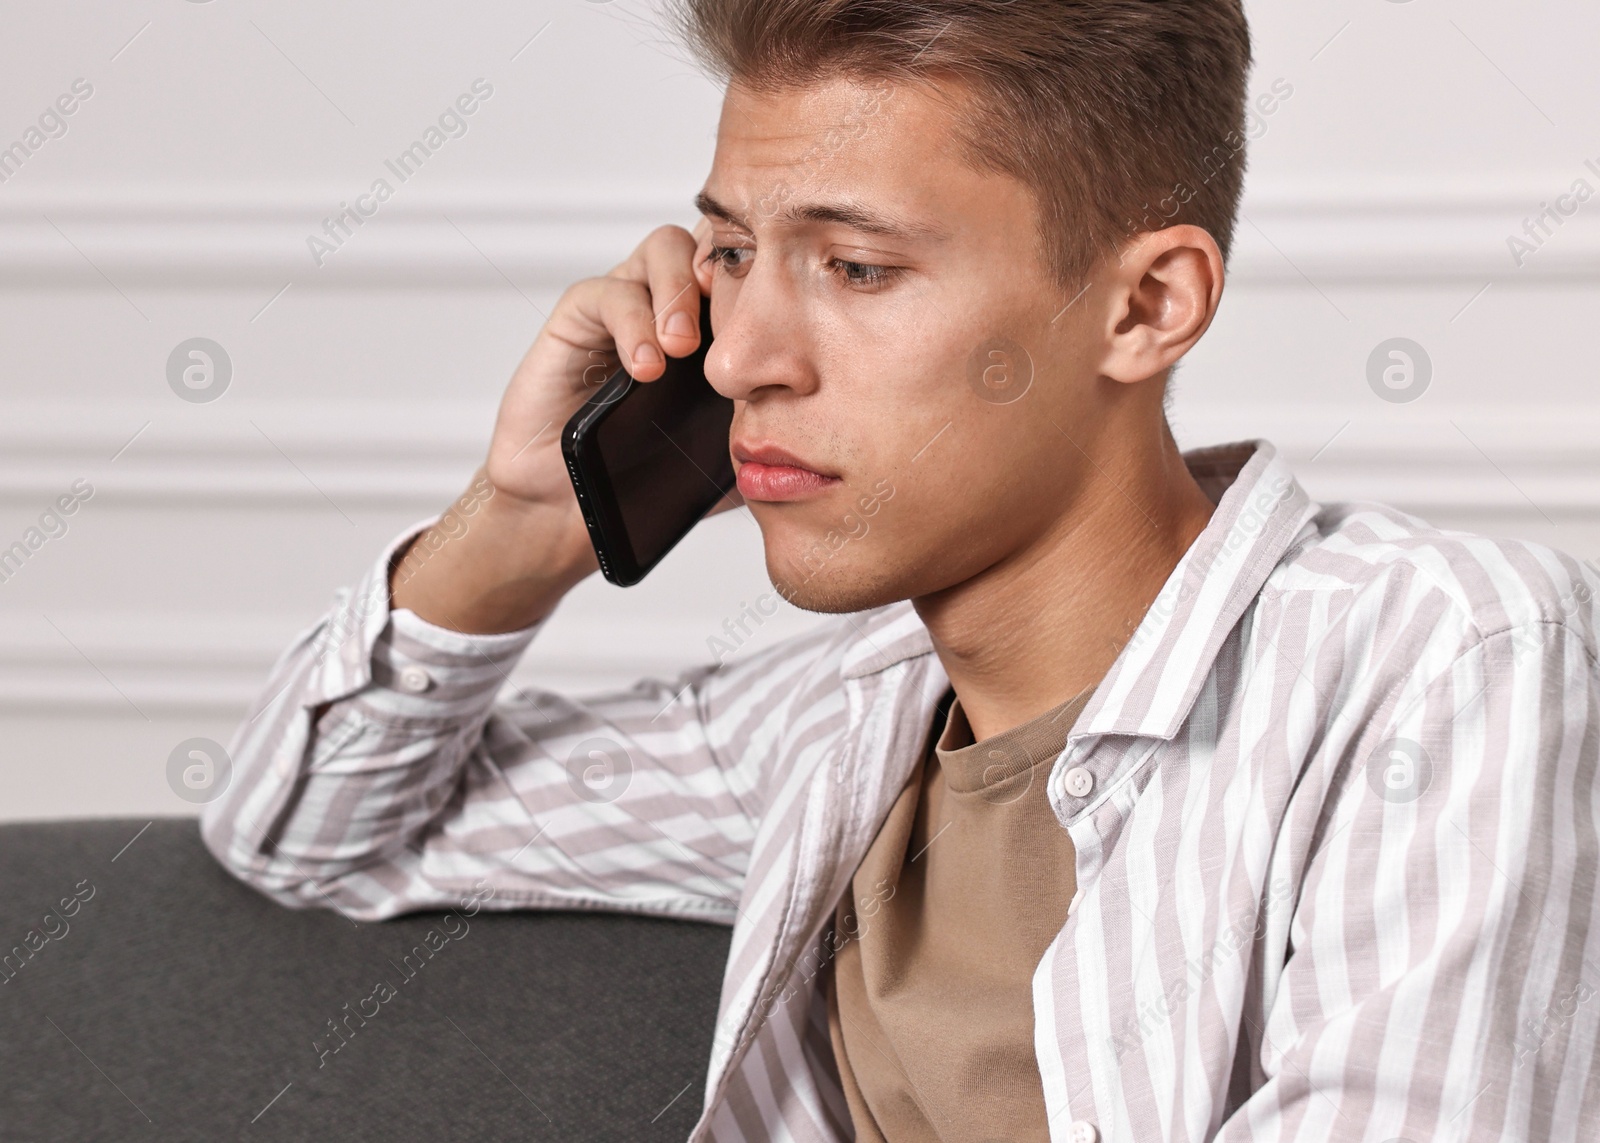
1105,108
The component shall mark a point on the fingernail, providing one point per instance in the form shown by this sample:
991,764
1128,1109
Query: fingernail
646,354
679,324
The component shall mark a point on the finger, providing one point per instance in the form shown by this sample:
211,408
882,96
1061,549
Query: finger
669,255
618,310
703,270
636,266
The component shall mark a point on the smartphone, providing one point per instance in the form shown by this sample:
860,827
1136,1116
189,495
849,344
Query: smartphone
649,460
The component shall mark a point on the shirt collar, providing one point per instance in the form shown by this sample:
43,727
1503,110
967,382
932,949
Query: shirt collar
1151,687
1261,509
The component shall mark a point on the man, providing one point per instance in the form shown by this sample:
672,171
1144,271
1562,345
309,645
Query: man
1132,795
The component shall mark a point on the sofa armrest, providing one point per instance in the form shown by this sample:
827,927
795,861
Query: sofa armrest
147,993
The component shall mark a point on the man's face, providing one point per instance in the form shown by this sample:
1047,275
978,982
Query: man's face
905,378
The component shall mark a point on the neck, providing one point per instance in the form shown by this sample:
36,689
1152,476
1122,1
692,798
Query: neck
1050,618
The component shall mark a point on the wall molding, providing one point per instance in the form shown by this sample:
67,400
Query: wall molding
416,456
148,665
1418,230
1509,460
1516,464
300,454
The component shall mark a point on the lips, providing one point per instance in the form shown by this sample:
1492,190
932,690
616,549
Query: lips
769,473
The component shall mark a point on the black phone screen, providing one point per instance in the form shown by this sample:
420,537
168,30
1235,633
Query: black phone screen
648,460
665,447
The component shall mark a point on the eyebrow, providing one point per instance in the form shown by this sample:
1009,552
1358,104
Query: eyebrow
845,214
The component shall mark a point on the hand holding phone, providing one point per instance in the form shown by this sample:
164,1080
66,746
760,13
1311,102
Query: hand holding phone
506,559
649,460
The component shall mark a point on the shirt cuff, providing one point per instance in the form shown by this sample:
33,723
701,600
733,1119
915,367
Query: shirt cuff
363,643
433,672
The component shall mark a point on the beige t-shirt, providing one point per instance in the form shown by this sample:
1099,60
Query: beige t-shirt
930,998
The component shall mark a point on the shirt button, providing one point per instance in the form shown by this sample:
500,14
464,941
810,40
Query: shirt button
414,680
1079,782
1084,1132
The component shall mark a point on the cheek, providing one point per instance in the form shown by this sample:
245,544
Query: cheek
900,418
990,477
945,469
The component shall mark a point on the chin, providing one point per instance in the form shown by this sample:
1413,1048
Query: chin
833,589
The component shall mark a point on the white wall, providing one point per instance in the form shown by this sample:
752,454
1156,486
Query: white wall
1418,137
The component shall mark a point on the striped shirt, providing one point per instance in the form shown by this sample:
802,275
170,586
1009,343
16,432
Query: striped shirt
1334,810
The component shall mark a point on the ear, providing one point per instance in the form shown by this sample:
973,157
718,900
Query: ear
1165,287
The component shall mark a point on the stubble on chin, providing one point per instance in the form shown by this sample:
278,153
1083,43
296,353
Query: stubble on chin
833,590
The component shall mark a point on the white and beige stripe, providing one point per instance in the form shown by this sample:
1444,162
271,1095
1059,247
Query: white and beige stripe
1338,863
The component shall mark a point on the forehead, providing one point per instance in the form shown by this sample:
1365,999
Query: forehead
783,125
892,145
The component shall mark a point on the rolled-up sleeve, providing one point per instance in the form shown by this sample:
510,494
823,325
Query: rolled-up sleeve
389,767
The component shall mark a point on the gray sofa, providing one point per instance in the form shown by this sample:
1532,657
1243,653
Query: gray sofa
148,995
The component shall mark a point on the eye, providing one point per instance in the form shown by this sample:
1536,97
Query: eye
863,273
719,256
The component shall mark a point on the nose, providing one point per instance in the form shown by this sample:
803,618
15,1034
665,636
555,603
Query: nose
761,343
